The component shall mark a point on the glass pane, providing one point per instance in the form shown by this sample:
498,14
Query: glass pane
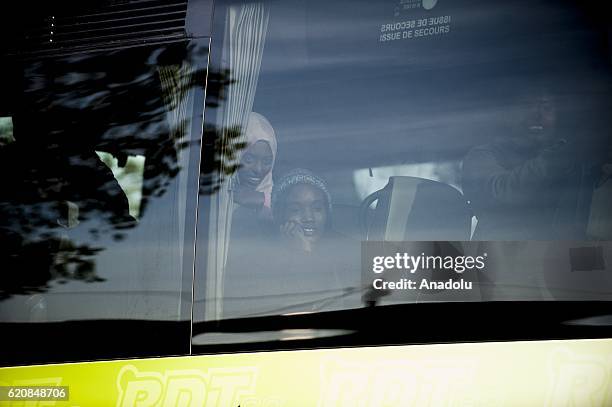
471,130
98,153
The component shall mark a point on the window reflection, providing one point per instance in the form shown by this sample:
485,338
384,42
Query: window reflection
6,130
94,217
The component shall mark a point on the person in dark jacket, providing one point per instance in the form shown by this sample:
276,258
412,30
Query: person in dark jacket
530,184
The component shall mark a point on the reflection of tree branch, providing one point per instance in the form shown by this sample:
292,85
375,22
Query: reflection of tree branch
69,108
224,162
216,85
33,264
221,145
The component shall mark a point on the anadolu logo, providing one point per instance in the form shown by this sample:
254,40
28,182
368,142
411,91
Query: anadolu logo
429,4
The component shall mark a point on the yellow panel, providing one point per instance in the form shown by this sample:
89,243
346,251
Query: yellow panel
546,373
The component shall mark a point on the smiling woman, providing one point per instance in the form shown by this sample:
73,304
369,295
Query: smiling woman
305,264
302,209
253,180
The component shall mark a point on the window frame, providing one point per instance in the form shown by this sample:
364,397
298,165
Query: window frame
87,340
426,323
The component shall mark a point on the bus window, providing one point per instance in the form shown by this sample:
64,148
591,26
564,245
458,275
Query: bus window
469,136
98,152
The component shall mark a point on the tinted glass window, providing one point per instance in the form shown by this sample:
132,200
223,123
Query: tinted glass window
98,152
473,133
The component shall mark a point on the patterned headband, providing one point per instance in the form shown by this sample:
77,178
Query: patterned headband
296,177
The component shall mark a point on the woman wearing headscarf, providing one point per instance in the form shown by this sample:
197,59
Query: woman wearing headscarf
251,197
252,183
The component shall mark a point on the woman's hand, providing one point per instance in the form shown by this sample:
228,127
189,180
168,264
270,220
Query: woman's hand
295,233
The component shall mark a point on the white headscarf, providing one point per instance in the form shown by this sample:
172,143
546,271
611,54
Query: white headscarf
259,129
